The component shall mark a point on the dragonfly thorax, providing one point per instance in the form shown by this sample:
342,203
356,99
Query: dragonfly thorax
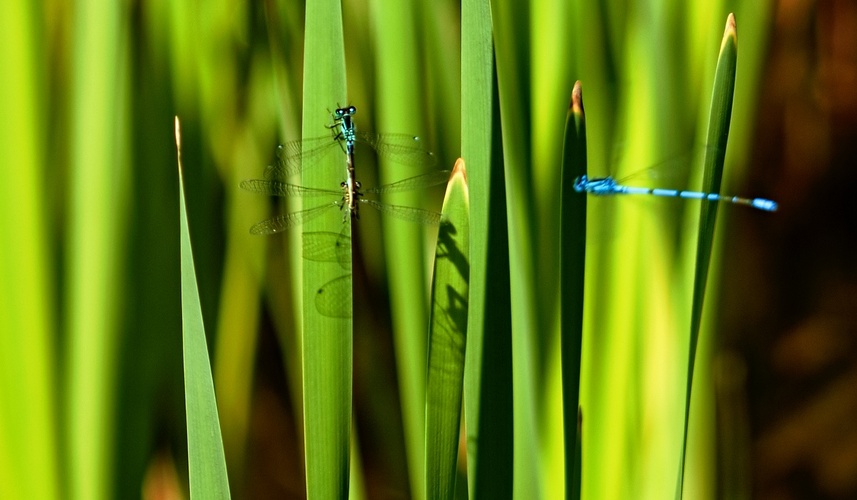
347,131
596,185
351,196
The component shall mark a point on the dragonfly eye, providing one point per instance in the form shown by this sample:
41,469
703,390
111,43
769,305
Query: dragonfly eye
351,110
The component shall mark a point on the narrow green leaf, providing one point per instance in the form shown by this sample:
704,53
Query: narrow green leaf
206,460
96,227
400,103
327,340
511,25
718,135
572,266
28,417
488,382
447,338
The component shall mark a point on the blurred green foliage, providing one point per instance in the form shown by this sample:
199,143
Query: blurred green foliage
91,393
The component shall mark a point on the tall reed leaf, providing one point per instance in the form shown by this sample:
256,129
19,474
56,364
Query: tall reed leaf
327,341
96,229
206,460
400,101
447,338
511,21
488,377
718,135
572,266
28,426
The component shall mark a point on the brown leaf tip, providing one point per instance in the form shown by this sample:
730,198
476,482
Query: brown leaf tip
459,169
178,132
576,105
731,28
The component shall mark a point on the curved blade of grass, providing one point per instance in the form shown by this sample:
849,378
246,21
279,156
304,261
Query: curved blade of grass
327,341
511,22
718,135
400,104
572,266
447,338
94,250
28,426
487,378
206,460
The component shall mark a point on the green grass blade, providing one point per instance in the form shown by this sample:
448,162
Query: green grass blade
718,135
237,329
400,103
487,378
96,227
206,460
572,266
511,22
327,342
447,339
28,426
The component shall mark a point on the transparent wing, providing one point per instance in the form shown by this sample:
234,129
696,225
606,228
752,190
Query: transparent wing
420,181
333,299
279,188
409,214
282,222
671,172
294,156
401,148
327,246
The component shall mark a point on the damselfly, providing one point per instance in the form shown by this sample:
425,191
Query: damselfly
608,186
350,197
295,156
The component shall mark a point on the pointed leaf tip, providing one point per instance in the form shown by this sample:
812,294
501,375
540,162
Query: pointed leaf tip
577,98
459,169
730,32
178,145
178,133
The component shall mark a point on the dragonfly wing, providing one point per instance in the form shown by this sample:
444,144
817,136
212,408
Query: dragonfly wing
670,172
420,181
409,214
327,246
278,188
333,299
294,156
282,222
401,148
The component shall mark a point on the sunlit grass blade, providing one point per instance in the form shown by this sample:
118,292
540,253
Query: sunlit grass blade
447,339
326,339
400,96
572,266
333,298
206,460
574,485
718,135
29,455
96,218
488,383
511,28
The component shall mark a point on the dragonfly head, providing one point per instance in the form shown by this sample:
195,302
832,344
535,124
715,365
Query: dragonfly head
580,183
341,113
